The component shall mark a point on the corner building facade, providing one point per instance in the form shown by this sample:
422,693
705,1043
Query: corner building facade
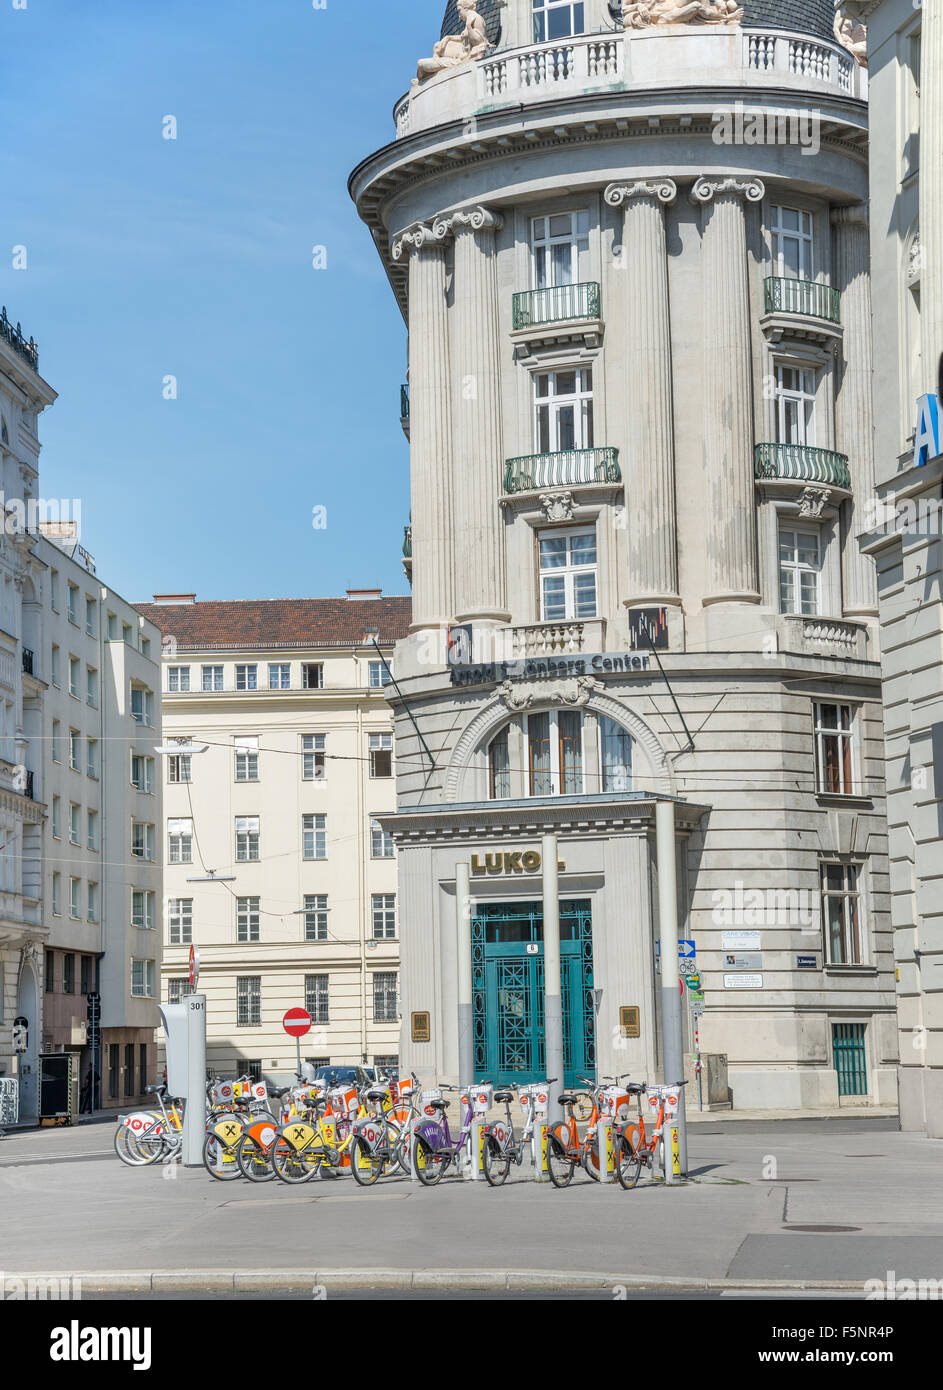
639,402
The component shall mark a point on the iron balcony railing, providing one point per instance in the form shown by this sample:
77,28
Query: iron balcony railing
27,661
14,336
572,467
531,308
785,296
802,463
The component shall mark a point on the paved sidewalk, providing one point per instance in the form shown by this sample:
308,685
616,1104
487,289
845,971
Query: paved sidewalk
822,1202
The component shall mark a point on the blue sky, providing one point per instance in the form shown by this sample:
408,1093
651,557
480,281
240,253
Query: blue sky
149,257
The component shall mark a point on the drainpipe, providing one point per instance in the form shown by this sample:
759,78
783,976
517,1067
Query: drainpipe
672,1037
553,1003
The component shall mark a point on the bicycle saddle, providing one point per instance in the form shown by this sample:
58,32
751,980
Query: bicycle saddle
159,1089
504,1095
568,1098
438,1104
635,1088
377,1094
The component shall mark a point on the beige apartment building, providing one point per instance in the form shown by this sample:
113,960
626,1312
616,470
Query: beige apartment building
277,869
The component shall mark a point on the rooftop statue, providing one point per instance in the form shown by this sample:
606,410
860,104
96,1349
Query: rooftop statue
457,49
641,14
852,36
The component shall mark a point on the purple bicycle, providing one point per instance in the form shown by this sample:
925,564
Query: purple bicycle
433,1146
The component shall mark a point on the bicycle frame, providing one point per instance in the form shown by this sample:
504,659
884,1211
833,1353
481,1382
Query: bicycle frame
504,1135
437,1134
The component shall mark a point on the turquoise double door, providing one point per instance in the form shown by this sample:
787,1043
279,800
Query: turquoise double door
508,992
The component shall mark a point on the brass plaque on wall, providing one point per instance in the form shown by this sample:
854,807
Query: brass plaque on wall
630,1021
421,1028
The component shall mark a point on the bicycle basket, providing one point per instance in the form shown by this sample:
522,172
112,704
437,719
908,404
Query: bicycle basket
615,1104
425,1101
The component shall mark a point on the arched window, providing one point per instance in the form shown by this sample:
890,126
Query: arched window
559,752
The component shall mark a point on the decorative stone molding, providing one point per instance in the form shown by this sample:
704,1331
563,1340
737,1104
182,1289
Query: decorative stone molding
558,506
642,14
855,215
576,694
455,50
665,190
466,220
706,190
851,35
813,501
32,955
914,259
415,237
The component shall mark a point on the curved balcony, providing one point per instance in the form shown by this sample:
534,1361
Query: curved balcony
408,542
802,464
571,468
806,297
14,336
556,304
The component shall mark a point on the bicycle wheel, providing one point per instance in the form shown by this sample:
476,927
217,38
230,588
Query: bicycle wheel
560,1165
629,1163
151,1145
126,1149
584,1106
292,1166
428,1165
364,1164
254,1160
497,1163
218,1160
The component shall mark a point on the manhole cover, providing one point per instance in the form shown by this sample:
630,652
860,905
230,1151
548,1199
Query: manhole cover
821,1230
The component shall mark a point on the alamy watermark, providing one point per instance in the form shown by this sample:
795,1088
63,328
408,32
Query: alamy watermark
761,125
47,514
764,907
36,1288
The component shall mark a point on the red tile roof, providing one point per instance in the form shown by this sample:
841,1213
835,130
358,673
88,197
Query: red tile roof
264,624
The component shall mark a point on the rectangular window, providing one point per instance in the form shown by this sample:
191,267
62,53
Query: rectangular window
50,972
212,677
142,773
57,894
92,751
180,841
834,733
91,686
142,979
113,1071
92,901
247,759
615,752
841,910
312,675
54,590
129,1069
555,753
54,742
499,766
557,19
73,604
112,628
313,767
279,675
74,676
248,1000
315,917
90,616
800,571
247,919
385,1002
86,976
379,675
54,666
381,755
247,839
567,563
142,1057
180,921
178,768
795,405
75,813
563,410
142,840
142,909
68,973
91,828
142,705
384,916
316,998
381,841
57,817
177,990
557,243
75,897
314,837
74,757
791,231
247,677
178,678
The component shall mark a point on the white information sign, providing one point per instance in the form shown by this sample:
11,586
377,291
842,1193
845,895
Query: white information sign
740,941
743,982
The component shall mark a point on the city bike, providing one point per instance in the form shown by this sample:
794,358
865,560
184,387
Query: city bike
634,1150
433,1147
500,1144
380,1143
565,1148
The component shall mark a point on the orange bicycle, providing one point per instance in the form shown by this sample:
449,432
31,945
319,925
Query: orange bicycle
632,1148
565,1149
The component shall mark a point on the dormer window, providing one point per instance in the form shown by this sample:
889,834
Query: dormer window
558,19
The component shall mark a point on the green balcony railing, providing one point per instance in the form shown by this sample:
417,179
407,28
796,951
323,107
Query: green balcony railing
802,463
404,402
408,542
572,467
785,296
556,305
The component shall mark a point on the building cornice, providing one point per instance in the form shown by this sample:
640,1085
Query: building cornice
482,821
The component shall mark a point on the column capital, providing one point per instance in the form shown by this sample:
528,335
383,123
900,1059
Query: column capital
665,190
412,239
856,215
707,189
477,219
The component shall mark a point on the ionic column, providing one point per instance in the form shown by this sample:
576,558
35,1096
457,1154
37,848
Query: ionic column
854,412
931,191
430,428
480,579
650,502
728,390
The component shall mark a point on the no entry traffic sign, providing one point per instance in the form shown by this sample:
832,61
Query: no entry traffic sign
296,1023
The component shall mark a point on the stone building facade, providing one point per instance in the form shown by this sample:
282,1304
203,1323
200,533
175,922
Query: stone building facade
640,431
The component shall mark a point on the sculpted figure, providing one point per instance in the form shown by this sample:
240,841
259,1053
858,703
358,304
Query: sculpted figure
641,14
852,36
456,49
